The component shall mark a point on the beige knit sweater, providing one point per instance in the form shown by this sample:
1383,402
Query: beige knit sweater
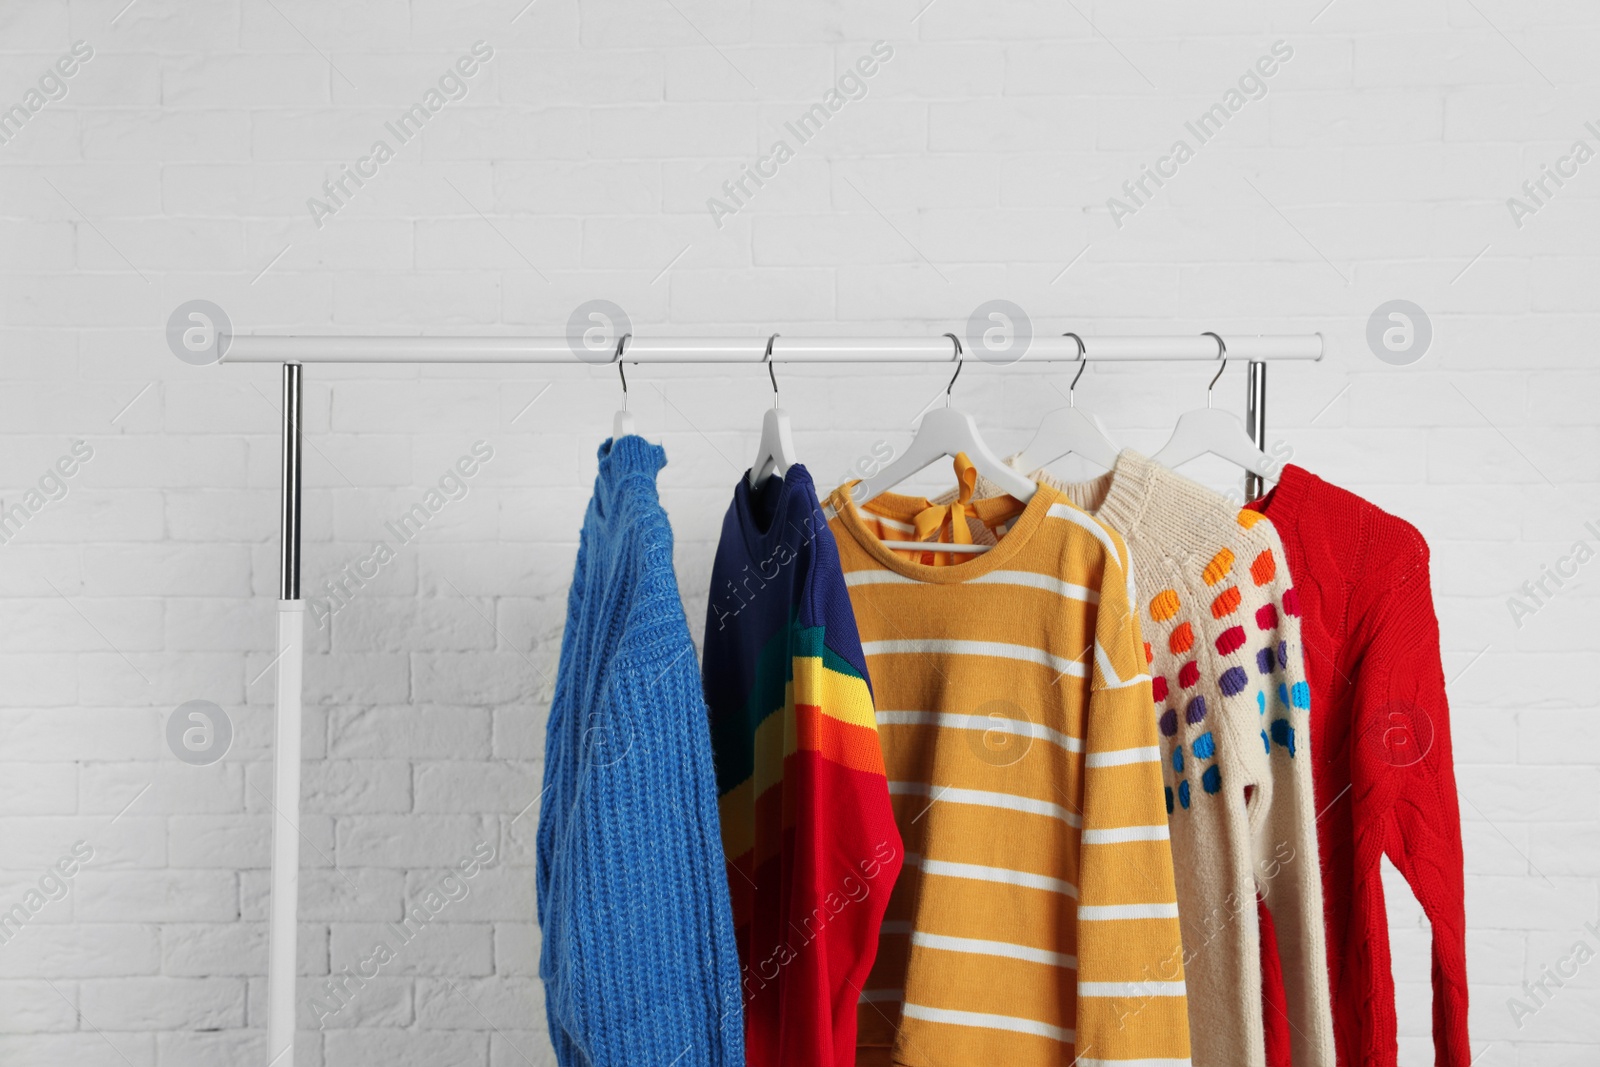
1221,623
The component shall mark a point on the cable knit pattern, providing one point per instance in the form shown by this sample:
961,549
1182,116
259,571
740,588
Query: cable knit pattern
1221,624
1383,768
638,961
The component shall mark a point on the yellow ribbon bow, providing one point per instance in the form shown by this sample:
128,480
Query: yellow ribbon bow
933,519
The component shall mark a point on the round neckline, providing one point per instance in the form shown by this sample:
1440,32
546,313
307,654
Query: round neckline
757,540
1287,495
1119,498
631,449
1007,548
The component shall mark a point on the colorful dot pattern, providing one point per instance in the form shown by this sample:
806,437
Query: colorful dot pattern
1223,573
1233,681
1263,568
1227,602
1182,639
1218,568
1283,734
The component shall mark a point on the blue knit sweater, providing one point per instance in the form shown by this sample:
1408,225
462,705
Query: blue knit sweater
639,962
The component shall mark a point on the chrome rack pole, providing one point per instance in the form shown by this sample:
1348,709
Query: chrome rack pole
1255,421
263,348
281,965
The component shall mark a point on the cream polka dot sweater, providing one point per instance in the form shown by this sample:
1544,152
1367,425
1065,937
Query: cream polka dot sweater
1220,619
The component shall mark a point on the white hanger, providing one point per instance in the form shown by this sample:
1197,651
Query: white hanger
942,433
1213,431
622,421
775,454
1069,431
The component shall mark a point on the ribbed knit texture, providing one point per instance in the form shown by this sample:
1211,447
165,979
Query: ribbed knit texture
1220,619
1035,923
1274,1002
638,962
811,843
1382,762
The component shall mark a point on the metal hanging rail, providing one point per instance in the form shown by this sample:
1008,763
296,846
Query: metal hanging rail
292,351
786,349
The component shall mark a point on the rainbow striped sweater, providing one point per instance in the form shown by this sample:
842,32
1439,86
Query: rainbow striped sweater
807,828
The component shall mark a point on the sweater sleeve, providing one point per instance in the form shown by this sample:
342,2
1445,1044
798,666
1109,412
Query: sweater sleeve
1286,868
1131,994
652,866
1225,793
847,849
1404,795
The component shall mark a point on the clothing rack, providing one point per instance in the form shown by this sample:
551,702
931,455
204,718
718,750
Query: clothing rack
294,351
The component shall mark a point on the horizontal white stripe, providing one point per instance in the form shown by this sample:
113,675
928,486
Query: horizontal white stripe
878,577
1118,835
894,926
1110,912
979,947
1130,989
1048,583
1073,515
1123,756
950,646
984,1019
873,516
1146,1062
984,723
868,996
1004,875
936,546
985,798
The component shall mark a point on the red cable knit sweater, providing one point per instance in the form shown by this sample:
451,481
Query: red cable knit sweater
1380,745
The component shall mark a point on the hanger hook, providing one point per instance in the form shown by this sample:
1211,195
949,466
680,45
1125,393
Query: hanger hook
622,344
767,359
957,342
1083,363
1222,354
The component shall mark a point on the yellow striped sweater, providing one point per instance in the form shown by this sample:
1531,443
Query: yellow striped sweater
1035,921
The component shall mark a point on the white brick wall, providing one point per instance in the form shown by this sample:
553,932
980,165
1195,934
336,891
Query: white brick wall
577,166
